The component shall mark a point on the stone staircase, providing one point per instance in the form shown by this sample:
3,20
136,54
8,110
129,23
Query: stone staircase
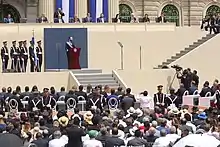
95,77
186,50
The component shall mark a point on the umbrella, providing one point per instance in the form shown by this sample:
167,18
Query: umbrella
10,140
198,140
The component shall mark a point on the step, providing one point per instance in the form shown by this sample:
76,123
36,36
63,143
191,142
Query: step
98,78
115,85
185,51
188,49
87,76
85,71
170,60
104,82
194,45
165,63
175,57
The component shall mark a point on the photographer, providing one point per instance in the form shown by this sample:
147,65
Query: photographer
185,77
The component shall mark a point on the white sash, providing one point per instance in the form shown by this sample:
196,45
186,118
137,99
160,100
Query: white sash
35,105
157,98
70,44
94,103
48,105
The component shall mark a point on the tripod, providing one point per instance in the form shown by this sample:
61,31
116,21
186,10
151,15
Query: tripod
174,77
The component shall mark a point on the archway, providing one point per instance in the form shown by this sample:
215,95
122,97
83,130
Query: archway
125,12
212,10
171,13
6,9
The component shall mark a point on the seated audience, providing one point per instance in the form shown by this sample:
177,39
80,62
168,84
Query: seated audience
8,19
42,19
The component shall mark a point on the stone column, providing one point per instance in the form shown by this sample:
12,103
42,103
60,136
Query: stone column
47,7
81,8
113,9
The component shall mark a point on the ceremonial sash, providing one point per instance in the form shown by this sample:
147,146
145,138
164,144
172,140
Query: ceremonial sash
94,103
35,105
172,101
48,105
157,98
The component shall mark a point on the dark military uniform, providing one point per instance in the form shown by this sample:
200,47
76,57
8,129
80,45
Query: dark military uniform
24,56
4,56
14,56
39,55
159,98
19,57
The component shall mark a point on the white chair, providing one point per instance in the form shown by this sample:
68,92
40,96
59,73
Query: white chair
186,93
208,94
81,98
26,98
196,92
6,100
13,105
61,98
71,104
55,106
113,103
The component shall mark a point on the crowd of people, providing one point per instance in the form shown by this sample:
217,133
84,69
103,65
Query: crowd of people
19,55
211,23
111,118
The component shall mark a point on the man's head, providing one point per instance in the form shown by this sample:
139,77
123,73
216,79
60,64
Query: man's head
25,43
163,133
71,39
101,15
14,43
115,131
4,43
112,91
172,130
128,90
172,90
88,14
20,43
57,134
39,43
160,88
9,15
137,133
93,134
81,88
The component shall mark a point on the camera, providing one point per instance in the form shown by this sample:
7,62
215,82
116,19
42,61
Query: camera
177,67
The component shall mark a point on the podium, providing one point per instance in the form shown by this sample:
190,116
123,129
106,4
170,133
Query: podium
73,56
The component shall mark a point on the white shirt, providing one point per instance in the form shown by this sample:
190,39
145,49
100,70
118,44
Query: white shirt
191,125
161,142
61,142
92,143
146,102
172,137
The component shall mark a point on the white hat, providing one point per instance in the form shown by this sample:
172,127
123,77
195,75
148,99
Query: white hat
131,110
139,112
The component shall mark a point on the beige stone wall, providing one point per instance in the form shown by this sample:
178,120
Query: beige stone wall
196,8
42,80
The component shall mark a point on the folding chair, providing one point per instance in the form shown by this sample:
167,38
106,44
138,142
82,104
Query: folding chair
13,105
61,98
113,103
71,104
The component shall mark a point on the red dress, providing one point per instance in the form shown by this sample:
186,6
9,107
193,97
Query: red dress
73,58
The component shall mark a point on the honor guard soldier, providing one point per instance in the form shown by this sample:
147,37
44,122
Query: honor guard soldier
4,56
39,55
20,62
14,55
24,55
172,100
159,98
32,56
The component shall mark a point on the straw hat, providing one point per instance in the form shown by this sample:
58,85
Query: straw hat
139,112
131,110
63,121
88,117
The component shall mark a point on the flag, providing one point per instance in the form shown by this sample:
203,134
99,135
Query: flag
97,7
35,52
68,8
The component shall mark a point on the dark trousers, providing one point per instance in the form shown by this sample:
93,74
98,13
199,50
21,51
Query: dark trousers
25,64
212,28
32,65
14,64
4,65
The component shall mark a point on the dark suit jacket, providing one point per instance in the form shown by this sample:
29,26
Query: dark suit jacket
146,19
99,20
159,19
56,16
41,142
74,134
86,19
114,141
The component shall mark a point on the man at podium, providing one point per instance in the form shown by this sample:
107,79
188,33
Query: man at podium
73,54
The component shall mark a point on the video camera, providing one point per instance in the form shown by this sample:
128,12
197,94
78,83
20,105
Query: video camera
177,67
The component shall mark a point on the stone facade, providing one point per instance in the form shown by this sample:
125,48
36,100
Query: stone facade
190,12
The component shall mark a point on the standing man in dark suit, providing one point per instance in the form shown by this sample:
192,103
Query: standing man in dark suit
39,55
32,56
88,18
101,19
212,23
4,56
162,18
13,54
20,62
58,16
24,55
